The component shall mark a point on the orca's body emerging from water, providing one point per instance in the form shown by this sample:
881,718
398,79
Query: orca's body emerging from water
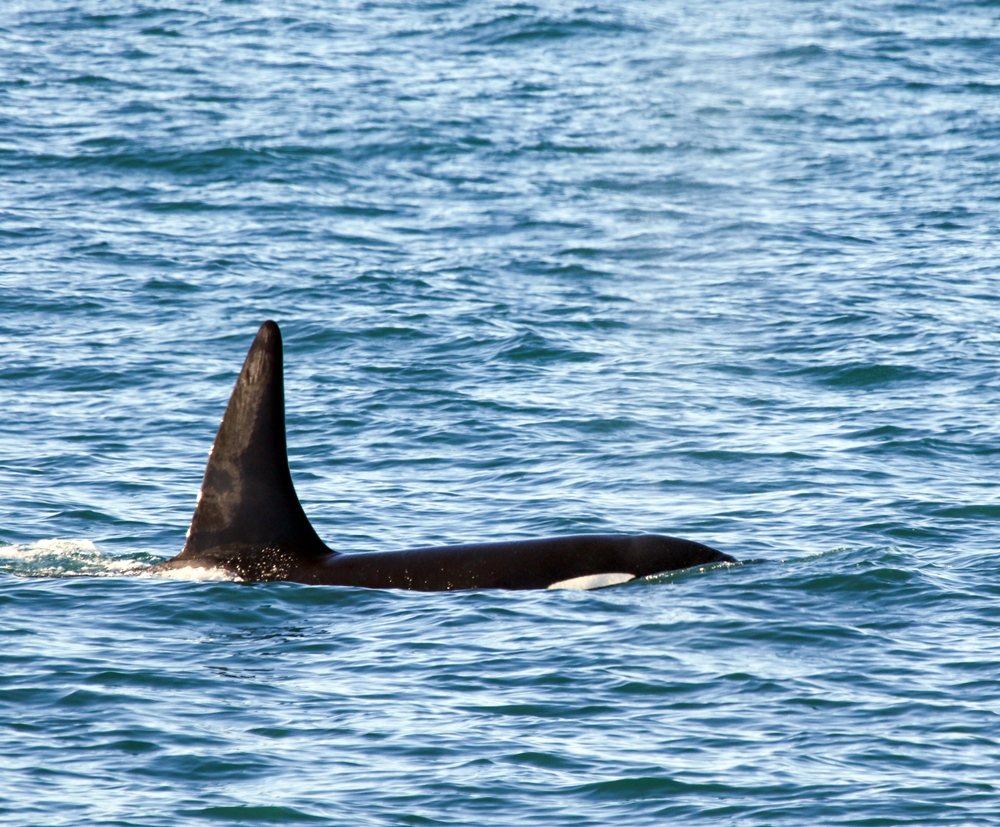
249,521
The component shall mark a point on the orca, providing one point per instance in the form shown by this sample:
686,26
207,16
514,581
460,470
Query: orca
250,524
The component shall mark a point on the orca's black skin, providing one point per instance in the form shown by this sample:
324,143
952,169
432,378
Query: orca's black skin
249,520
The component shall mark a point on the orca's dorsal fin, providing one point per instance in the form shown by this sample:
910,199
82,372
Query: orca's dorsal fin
248,515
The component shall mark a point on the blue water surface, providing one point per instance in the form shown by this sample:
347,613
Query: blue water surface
725,271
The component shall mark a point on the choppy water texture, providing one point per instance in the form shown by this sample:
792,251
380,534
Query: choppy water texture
726,271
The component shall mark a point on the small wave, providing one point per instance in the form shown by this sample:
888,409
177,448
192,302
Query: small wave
74,558
65,558
518,28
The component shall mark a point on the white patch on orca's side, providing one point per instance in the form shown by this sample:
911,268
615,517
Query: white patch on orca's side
594,581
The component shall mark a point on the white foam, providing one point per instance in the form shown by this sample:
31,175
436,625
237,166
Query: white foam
58,557
198,573
46,548
594,581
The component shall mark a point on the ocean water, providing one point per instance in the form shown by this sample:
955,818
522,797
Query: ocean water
725,271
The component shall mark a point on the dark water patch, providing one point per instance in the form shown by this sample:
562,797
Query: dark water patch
534,710
918,447
159,31
530,348
84,698
153,682
25,695
859,375
252,814
517,28
230,768
571,149
577,271
88,516
90,80
185,207
545,761
641,788
234,161
892,432
672,688
988,512
169,285
404,333
800,55
984,88
137,107
646,186
132,746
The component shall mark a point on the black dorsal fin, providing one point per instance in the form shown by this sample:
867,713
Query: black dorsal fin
248,515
